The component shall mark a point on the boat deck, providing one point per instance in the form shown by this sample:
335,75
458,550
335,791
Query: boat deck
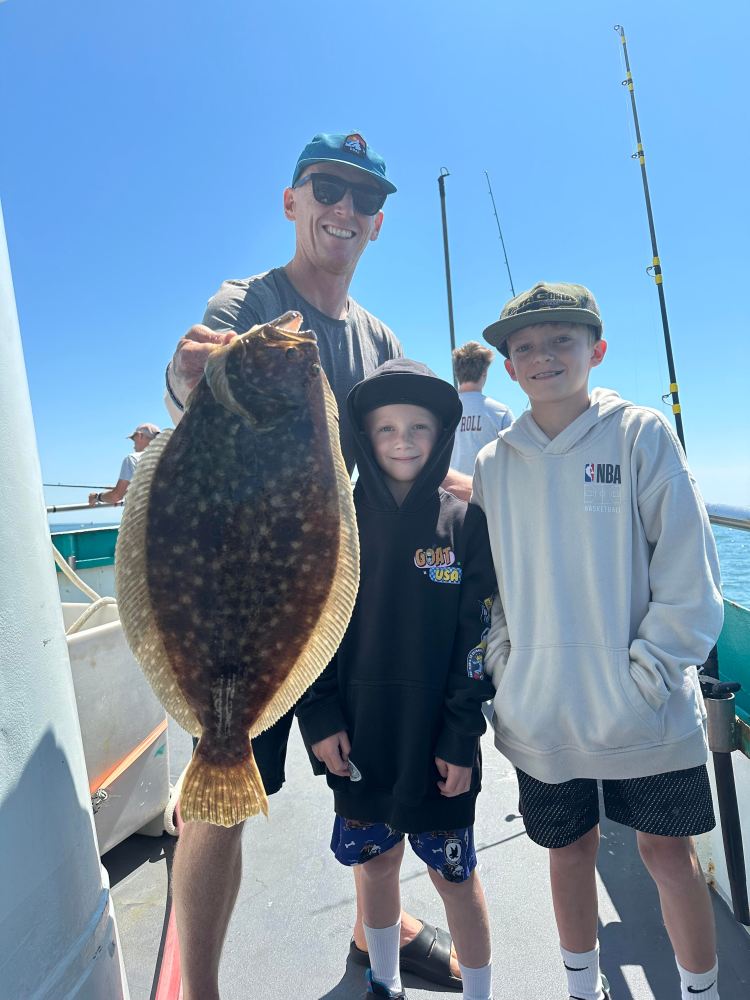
289,935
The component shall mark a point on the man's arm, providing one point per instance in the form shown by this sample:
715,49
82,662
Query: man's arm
188,363
115,495
221,322
458,484
185,370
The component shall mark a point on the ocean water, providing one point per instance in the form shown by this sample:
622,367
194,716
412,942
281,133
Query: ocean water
733,547
734,556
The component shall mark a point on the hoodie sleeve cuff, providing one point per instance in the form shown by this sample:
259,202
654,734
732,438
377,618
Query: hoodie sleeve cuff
457,748
320,720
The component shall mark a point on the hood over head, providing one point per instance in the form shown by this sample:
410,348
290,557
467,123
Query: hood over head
403,381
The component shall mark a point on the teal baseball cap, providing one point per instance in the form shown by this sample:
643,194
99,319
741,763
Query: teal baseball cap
340,147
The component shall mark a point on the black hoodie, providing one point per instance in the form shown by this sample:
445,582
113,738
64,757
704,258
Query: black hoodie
407,683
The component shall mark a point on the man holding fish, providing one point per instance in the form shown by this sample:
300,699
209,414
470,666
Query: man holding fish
335,201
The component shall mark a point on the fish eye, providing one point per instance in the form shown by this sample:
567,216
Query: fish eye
315,369
291,353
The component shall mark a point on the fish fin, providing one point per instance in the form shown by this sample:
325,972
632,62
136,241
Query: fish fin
133,597
224,796
337,611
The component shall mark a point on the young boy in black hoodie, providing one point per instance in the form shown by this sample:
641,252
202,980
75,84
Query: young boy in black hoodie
397,715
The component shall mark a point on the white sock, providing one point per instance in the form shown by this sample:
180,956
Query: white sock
704,984
477,982
382,945
582,970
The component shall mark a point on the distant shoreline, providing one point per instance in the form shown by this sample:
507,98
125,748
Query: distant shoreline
81,526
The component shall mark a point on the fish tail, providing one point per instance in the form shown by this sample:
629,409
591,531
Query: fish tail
220,794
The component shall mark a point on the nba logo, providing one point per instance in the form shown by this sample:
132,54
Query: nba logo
588,472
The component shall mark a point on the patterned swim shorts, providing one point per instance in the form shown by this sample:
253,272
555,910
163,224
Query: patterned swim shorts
449,852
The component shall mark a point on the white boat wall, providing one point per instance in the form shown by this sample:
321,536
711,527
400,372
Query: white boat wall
123,725
123,728
58,936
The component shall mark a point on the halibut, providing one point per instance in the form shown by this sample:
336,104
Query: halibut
237,561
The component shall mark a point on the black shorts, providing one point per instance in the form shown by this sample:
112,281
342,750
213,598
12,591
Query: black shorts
674,804
269,750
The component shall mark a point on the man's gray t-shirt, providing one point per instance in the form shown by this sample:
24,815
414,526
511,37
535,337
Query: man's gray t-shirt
483,418
349,348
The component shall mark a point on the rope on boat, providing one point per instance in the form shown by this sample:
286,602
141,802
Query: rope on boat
90,610
72,576
172,824
98,601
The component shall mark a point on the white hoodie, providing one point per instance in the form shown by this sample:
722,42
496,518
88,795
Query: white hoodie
609,582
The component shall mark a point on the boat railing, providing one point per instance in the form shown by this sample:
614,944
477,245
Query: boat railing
733,648
67,507
729,516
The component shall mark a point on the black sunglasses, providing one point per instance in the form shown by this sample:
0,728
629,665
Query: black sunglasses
329,190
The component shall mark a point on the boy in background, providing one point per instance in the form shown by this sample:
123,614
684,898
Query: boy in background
396,717
483,417
609,581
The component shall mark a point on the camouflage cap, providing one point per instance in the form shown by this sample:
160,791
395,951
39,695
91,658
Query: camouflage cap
546,302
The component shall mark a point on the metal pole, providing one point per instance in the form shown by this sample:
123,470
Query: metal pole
61,508
441,184
655,269
731,834
59,936
497,220
722,741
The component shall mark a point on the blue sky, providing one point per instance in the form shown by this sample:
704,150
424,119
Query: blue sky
145,146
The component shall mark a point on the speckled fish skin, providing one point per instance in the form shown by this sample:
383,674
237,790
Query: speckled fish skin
244,538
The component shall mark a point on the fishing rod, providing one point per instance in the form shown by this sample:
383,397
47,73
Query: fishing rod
77,486
497,220
655,269
441,184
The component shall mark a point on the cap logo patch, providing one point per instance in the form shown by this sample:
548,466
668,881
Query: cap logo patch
355,144
543,299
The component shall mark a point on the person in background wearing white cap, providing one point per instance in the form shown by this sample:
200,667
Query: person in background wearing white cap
335,200
141,437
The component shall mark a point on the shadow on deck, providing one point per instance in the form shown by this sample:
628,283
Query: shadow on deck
290,933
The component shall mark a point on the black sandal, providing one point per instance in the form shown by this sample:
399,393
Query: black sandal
427,956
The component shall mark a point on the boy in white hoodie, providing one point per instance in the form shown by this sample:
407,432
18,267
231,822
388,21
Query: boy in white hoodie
609,584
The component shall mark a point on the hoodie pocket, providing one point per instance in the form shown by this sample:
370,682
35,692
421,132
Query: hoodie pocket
578,697
649,684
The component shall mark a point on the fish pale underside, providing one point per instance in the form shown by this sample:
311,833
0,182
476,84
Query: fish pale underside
237,562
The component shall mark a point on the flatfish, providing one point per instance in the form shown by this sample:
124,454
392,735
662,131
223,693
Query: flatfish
237,562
